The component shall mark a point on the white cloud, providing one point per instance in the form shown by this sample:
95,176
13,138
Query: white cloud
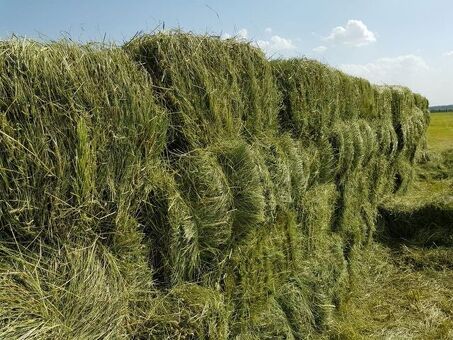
354,33
276,44
431,80
242,34
320,49
448,54
402,70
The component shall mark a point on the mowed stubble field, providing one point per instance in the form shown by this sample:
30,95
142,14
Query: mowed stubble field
440,131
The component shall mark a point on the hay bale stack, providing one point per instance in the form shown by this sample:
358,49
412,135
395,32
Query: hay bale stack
223,195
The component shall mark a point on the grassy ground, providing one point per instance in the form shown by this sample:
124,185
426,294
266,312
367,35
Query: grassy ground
440,132
406,291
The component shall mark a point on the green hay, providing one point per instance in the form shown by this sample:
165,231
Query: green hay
288,167
256,269
170,231
215,89
325,264
238,163
217,212
187,311
77,125
67,292
309,97
205,187
295,301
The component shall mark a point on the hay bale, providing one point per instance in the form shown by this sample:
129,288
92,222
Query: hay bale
259,265
310,97
187,311
266,321
205,188
62,292
323,253
75,119
170,231
215,89
238,163
294,298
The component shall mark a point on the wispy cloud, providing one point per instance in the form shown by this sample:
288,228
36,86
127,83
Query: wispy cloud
320,49
275,44
448,54
242,34
354,33
397,70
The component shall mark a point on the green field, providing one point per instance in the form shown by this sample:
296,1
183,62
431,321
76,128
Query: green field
440,131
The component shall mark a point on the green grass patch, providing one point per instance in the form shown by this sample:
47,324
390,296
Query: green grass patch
440,131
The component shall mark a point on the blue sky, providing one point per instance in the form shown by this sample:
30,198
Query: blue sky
387,41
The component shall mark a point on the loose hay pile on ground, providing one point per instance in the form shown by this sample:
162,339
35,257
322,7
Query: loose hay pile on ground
223,195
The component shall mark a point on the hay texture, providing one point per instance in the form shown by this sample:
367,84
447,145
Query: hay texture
185,187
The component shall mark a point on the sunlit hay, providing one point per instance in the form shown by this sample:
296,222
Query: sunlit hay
170,230
275,160
403,175
370,143
327,155
61,293
260,153
355,215
381,181
328,280
310,97
215,89
342,140
387,138
409,121
323,252
259,265
302,167
187,311
237,161
368,109
267,320
294,298
288,167
205,188
74,120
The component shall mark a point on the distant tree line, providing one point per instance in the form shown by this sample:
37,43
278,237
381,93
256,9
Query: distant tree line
441,108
